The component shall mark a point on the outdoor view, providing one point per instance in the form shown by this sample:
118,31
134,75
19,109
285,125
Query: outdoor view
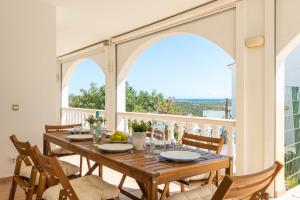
183,75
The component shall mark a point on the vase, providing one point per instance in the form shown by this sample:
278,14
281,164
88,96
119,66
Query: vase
138,140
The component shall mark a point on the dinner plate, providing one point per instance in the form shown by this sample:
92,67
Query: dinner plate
80,137
108,133
71,130
180,156
115,148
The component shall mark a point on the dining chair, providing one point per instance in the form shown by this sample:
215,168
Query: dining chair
59,151
27,170
84,188
251,187
205,143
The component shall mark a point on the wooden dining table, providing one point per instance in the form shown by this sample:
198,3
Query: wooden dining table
148,172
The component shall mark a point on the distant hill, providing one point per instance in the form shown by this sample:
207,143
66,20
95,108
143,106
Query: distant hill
199,100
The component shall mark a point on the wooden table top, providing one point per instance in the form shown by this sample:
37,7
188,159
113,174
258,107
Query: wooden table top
134,163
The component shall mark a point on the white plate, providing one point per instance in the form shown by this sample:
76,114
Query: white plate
71,130
115,148
180,156
80,137
108,133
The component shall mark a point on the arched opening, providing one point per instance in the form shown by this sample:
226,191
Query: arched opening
288,111
182,74
83,88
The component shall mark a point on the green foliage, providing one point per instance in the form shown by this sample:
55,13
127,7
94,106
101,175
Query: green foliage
138,126
93,98
142,101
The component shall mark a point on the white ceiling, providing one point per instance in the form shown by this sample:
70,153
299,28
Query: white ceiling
84,22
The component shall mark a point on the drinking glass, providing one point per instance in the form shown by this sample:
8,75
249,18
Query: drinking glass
77,129
148,147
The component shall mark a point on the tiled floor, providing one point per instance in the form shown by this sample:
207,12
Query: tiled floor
293,194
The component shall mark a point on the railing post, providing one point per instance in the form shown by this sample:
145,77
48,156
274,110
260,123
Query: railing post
230,141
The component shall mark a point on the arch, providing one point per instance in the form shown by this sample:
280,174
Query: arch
67,75
136,53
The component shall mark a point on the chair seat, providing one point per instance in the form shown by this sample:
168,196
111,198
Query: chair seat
68,168
202,193
61,151
197,178
86,188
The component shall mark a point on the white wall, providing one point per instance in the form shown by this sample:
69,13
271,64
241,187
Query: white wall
27,73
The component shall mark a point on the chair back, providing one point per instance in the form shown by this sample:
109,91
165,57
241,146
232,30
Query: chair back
26,155
251,187
203,142
59,128
55,174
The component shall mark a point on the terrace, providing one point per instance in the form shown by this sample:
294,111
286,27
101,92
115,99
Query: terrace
50,39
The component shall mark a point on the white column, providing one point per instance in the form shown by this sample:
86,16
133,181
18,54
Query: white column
65,97
110,86
121,103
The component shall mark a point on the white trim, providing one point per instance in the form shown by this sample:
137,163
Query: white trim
83,53
197,13
270,94
241,144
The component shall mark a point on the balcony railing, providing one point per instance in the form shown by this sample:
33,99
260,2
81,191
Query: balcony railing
197,125
78,115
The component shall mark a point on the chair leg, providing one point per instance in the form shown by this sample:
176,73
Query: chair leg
165,191
29,194
122,181
88,163
80,166
182,187
12,190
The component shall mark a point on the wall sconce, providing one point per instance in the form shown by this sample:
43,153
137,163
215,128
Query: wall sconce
256,41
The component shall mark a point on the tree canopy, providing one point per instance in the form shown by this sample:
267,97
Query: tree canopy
136,101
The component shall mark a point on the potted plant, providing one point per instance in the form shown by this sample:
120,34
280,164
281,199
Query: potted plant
91,120
139,129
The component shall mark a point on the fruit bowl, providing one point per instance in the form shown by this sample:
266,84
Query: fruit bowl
118,137
112,141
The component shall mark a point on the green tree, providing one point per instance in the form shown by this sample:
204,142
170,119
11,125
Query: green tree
93,98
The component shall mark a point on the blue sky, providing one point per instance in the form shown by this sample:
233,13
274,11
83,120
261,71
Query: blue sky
181,66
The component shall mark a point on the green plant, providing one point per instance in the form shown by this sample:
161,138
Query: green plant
138,126
95,120
91,119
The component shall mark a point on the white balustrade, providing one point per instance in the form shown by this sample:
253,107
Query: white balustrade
78,115
207,126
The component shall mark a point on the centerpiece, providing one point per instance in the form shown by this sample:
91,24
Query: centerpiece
139,132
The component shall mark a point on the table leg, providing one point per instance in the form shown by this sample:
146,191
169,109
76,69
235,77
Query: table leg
152,189
100,170
229,170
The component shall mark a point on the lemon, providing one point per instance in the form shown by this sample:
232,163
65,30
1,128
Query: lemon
118,133
124,137
116,138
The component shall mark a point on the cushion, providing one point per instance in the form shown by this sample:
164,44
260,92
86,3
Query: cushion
86,188
60,151
198,177
202,193
68,168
